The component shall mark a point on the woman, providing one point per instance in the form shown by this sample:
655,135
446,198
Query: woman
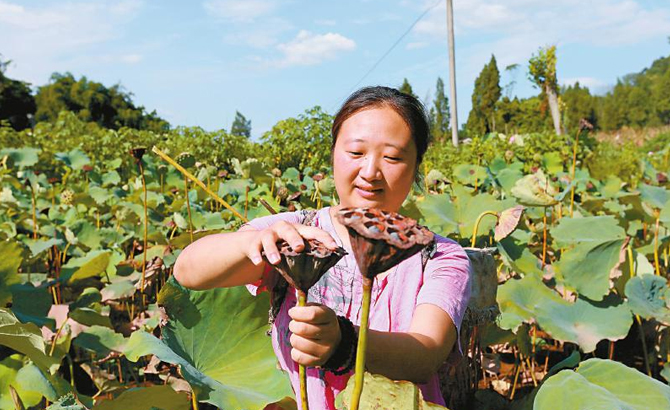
379,138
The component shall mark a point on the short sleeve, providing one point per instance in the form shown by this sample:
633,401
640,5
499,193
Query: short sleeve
447,280
268,278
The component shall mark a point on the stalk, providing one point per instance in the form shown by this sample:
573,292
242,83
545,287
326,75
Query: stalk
656,262
572,172
32,197
362,345
302,299
188,208
544,237
197,182
637,317
479,219
146,226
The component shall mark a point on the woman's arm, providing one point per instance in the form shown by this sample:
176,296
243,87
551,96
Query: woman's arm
415,355
233,259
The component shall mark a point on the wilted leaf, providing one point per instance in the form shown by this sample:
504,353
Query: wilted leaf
535,190
507,222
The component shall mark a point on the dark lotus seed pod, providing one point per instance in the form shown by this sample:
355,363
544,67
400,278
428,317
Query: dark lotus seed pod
138,153
303,269
382,239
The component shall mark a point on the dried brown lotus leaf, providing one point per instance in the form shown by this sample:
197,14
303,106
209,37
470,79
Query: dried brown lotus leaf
303,269
382,239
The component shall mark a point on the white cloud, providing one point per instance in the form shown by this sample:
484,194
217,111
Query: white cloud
416,45
131,58
325,22
311,49
239,10
261,35
42,39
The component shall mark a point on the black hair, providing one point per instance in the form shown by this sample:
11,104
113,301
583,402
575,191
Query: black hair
408,107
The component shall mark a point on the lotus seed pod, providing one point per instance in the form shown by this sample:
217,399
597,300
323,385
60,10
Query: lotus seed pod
67,196
138,153
303,269
186,160
276,172
381,239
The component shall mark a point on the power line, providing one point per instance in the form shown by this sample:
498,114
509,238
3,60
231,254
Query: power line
393,46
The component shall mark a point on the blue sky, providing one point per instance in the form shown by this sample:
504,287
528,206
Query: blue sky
196,63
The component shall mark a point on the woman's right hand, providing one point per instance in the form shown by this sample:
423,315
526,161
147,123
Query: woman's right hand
293,234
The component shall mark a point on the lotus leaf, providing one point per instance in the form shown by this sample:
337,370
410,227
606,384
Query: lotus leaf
31,304
224,353
148,398
588,269
380,392
22,157
101,340
67,402
439,213
38,246
92,268
469,174
599,384
535,190
75,159
507,179
518,258
26,339
9,368
552,162
507,222
593,229
31,379
581,322
654,195
9,266
647,296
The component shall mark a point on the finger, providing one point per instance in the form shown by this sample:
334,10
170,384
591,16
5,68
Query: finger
307,330
315,314
254,253
311,232
269,242
290,234
308,346
305,359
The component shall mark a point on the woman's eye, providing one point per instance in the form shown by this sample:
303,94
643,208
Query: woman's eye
355,153
394,159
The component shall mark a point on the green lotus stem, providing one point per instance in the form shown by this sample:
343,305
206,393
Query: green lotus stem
190,176
146,226
656,261
631,264
362,346
572,172
302,300
33,201
188,209
479,219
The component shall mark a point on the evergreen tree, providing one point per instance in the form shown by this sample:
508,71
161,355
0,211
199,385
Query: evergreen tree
93,102
482,117
578,103
407,88
439,113
241,126
17,104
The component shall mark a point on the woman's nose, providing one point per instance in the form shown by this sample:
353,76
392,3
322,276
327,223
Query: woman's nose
370,170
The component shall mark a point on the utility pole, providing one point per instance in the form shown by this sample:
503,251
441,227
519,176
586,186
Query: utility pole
452,73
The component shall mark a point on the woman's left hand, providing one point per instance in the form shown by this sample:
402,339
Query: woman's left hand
316,334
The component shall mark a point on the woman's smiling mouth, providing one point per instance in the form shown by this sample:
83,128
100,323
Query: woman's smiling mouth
368,193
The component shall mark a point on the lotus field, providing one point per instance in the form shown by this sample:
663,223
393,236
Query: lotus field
91,318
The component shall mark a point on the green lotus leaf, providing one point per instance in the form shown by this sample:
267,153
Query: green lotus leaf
22,157
75,159
516,256
110,178
593,229
148,398
380,392
92,268
552,162
588,269
600,384
99,195
647,296
611,187
32,379
9,368
89,317
26,339
439,214
218,339
100,340
38,246
528,299
31,304
508,177
535,190
469,174
469,208
654,195
9,266
665,214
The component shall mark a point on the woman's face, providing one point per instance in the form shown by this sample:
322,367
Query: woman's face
374,160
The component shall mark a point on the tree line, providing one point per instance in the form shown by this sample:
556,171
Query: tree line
637,100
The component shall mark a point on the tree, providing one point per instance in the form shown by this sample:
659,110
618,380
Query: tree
241,126
407,88
17,104
439,113
486,94
93,102
578,103
542,72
